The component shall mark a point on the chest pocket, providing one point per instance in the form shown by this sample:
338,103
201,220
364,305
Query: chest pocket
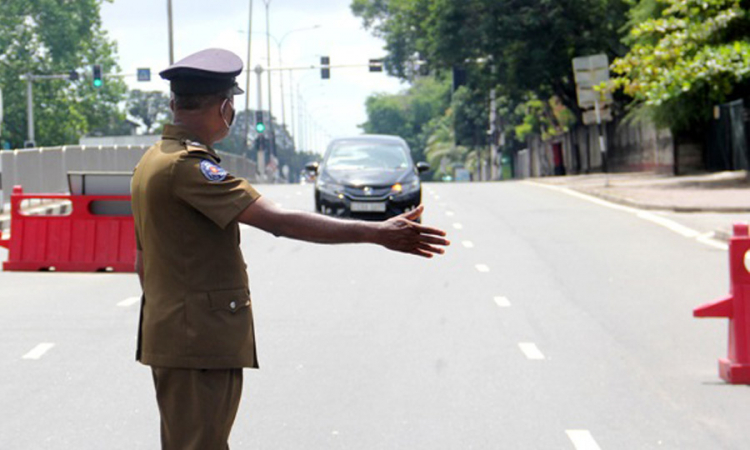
219,324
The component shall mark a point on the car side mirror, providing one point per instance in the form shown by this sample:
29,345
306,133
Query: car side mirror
312,167
423,166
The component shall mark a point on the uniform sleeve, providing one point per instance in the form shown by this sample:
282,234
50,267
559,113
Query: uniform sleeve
138,245
220,198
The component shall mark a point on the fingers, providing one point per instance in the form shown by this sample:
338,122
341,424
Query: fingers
431,249
428,230
421,253
434,240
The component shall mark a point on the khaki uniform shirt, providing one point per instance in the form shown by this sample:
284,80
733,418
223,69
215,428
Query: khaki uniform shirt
196,311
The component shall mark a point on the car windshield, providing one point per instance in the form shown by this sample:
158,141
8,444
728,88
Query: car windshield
359,155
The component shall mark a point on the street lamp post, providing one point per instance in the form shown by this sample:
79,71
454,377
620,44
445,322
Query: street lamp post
171,40
268,53
279,44
247,72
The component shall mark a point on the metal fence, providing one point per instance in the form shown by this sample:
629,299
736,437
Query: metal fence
44,170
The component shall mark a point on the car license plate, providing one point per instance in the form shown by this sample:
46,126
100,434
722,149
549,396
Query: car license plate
368,207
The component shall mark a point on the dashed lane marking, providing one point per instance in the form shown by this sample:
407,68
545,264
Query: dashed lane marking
458,226
531,350
450,213
582,440
482,268
671,225
130,301
39,351
502,302
468,244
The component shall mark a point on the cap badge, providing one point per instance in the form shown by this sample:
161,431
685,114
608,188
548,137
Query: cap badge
212,172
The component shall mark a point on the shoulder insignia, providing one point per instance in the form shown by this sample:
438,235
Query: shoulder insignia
211,171
194,146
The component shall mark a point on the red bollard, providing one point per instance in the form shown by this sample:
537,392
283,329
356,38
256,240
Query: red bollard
735,368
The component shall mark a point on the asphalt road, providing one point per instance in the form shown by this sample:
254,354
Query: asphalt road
553,322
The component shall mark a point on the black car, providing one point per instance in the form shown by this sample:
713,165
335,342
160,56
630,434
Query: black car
367,177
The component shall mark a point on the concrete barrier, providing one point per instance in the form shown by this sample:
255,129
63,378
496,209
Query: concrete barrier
44,170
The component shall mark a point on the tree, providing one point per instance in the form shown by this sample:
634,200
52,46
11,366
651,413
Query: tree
686,56
52,37
408,113
150,108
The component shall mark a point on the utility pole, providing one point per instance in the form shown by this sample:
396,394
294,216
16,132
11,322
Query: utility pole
247,82
171,39
30,141
261,149
268,53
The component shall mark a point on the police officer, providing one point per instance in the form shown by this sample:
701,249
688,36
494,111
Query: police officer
196,326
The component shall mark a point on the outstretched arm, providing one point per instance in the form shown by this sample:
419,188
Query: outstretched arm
399,233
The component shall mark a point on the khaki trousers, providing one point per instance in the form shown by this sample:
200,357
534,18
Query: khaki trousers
197,407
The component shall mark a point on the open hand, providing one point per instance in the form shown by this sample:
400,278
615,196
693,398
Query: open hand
403,234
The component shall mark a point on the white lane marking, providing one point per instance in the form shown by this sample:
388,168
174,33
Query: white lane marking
668,224
482,268
437,197
458,226
531,350
708,239
450,213
39,351
583,196
279,205
468,244
130,301
582,440
654,218
502,302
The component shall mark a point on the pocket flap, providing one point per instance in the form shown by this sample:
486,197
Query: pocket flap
231,300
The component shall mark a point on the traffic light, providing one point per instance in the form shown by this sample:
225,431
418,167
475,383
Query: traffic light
325,67
376,65
260,125
73,75
97,72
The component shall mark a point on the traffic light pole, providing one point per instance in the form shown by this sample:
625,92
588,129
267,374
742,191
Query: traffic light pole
29,78
261,150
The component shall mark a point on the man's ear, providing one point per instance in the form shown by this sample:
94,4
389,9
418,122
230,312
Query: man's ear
171,104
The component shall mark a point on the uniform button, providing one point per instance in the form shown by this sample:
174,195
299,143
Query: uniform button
233,305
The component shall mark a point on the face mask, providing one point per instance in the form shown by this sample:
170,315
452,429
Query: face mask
231,121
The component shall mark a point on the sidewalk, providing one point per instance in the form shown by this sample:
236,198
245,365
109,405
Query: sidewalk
725,194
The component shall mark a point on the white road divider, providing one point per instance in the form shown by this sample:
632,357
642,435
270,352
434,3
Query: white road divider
582,440
482,268
502,302
531,350
130,301
39,351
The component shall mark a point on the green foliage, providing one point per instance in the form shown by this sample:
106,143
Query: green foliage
151,108
691,55
408,114
548,118
46,37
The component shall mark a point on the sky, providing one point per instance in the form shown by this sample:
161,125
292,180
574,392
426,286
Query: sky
336,105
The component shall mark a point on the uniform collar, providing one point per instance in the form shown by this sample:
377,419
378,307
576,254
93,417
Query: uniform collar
178,133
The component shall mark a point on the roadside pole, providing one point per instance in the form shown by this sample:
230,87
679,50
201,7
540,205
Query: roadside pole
492,133
261,150
590,72
30,142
